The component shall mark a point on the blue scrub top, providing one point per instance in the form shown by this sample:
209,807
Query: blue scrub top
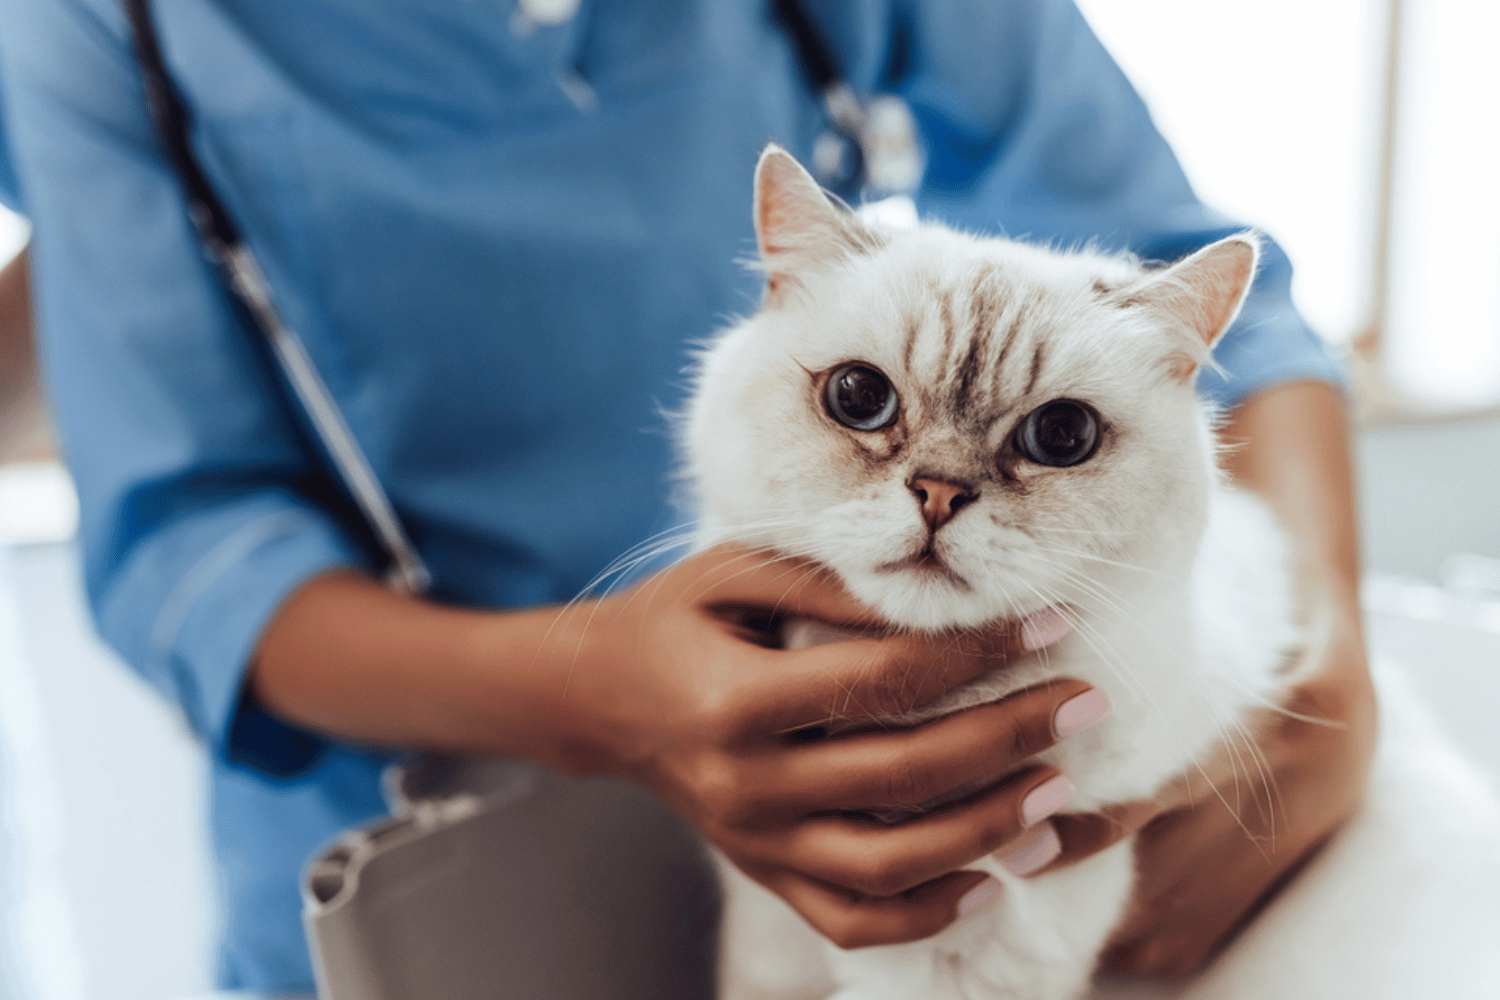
497,280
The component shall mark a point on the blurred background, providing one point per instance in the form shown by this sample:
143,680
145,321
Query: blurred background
1372,154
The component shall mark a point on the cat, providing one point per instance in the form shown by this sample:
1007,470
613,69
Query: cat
968,429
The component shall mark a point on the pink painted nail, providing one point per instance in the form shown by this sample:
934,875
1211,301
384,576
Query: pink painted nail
979,897
1079,712
1031,851
1046,799
1043,629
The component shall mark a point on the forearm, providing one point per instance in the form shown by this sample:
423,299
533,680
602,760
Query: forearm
17,351
1291,445
347,657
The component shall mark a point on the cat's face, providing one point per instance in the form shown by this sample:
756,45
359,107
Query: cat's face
962,429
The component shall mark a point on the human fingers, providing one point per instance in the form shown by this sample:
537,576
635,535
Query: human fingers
1175,925
1229,804
1083,834
729,577
1194,798
911,769
851,920
759,692
873,859
869,681
1068,838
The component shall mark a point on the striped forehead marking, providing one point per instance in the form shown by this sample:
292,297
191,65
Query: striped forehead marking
976,354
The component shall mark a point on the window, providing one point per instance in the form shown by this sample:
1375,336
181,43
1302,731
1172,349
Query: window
1279,112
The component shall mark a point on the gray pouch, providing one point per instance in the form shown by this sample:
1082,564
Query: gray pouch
498,878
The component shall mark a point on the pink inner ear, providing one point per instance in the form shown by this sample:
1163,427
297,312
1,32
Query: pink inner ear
776,221
1204,293
771,209
790,209
797,227
772,219
1226,279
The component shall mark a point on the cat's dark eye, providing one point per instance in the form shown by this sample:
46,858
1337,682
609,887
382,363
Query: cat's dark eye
861,398
1062,432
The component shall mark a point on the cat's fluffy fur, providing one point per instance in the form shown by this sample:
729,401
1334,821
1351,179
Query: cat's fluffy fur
1175,581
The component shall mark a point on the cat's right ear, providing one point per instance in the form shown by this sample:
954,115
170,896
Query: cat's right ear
798,227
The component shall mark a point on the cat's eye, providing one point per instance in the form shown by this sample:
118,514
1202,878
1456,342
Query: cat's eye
1062,432
859,397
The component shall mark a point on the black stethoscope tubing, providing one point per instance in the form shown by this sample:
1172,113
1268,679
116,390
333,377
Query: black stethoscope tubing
221,242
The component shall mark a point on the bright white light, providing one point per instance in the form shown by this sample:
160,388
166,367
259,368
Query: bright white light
1272,107
37,504
1443,333
14,232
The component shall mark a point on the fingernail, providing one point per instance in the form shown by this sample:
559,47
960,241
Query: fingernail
1046,799
1043,629
1031,851
1079,712
979,897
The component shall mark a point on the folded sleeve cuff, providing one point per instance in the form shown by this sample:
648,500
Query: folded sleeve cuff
1255,362
198,644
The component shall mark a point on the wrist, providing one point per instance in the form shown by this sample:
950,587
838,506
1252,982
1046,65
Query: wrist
539,672
346,657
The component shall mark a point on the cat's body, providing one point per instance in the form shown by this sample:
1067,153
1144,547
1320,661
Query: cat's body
967,430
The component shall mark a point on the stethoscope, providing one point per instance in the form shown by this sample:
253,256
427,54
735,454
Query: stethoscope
870,147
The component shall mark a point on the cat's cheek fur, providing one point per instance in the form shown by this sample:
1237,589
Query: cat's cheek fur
739,414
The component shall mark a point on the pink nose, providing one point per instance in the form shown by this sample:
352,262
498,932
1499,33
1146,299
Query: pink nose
940,500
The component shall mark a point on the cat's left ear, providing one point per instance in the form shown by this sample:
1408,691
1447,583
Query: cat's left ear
798,227
1200,296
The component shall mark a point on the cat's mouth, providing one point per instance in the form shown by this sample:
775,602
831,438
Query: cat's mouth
925,563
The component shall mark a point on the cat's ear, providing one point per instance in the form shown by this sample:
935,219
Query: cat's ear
1200,296
798,226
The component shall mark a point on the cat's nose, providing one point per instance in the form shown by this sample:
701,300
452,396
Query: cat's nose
940,499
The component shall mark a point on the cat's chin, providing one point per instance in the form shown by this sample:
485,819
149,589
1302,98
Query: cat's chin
922,600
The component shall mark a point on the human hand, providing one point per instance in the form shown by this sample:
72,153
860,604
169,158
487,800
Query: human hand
1216,844
669,685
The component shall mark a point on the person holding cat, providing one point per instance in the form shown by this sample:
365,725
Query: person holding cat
497,234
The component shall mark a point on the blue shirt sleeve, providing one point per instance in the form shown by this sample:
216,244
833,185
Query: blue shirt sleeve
1031,127
10,190
197,505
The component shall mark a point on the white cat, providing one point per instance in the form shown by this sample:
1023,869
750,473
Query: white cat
969,429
